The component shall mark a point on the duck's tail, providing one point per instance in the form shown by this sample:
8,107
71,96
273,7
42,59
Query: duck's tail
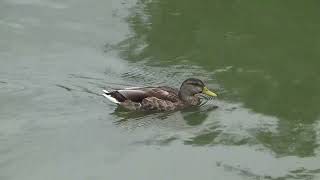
111,96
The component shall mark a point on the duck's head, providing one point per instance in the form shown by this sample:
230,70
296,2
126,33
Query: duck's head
191,87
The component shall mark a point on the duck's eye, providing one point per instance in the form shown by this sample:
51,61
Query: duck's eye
196,84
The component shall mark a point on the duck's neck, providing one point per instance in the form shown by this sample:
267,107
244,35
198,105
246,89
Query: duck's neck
187,98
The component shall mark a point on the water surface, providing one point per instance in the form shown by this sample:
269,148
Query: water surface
260,57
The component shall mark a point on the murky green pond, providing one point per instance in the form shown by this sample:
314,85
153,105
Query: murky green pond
262,58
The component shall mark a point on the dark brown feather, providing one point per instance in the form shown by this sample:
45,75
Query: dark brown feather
135,95
138,94
118,96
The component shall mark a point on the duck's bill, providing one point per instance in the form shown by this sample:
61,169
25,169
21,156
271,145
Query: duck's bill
208,92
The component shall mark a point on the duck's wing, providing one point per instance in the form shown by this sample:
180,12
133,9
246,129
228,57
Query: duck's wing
172,94
138,94
154,103
132,94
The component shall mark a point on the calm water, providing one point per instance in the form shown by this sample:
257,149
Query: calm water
262,58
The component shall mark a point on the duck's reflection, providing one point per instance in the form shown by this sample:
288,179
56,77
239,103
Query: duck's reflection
133,119
192,116
196,116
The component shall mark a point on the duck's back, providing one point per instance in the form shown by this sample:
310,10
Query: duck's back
138,94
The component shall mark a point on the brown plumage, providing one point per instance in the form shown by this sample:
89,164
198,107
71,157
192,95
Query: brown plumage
161,98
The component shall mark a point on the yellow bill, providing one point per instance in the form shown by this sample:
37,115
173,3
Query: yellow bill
208,92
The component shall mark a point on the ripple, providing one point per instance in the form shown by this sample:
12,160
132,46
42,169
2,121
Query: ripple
6,87
145,75
48,4
64,87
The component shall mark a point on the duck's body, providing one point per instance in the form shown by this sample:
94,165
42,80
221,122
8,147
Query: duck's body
160,98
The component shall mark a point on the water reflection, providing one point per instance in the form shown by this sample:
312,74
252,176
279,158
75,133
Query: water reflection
126,115
132,119
197,115
267,52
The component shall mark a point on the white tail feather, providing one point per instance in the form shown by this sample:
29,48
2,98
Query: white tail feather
109,97
105,91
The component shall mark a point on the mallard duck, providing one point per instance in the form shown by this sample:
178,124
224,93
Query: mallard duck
160,98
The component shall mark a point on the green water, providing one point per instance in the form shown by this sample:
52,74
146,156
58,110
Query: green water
260,57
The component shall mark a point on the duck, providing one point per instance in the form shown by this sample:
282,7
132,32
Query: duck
160,98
